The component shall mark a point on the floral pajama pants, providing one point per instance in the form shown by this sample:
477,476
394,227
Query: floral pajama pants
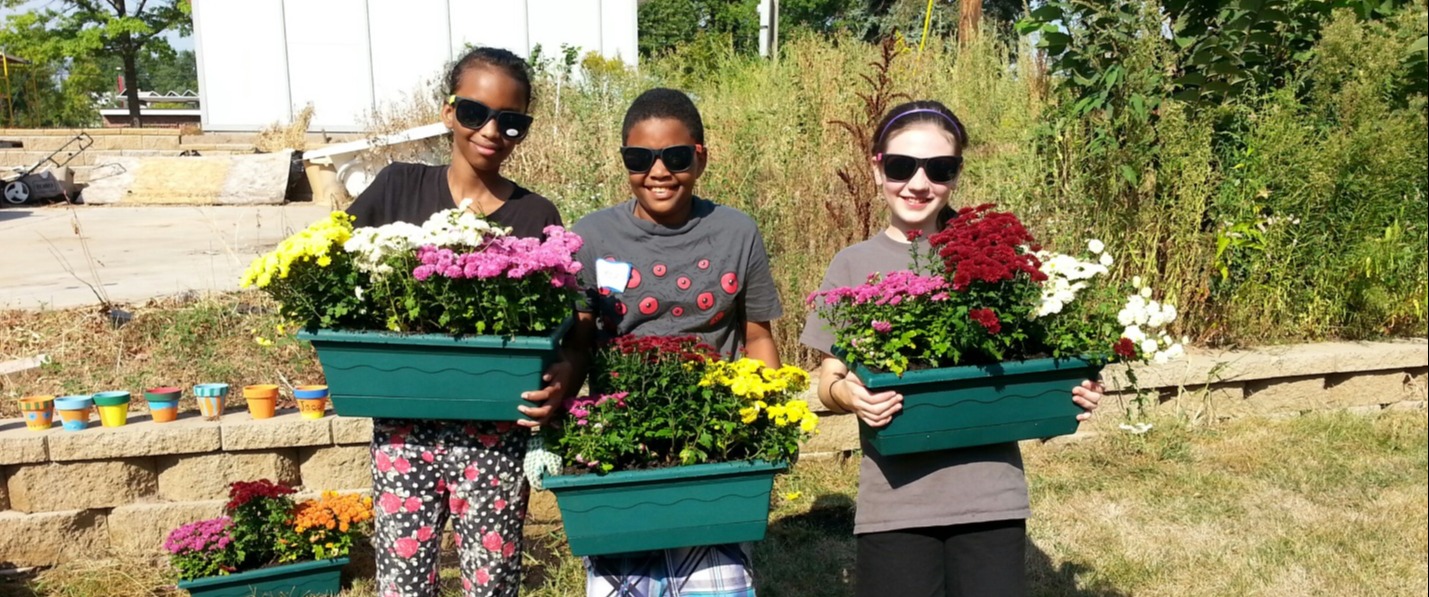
426,472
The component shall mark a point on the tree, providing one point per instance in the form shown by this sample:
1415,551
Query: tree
123,28
52,90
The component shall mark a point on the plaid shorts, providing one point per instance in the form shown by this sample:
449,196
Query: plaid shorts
706,571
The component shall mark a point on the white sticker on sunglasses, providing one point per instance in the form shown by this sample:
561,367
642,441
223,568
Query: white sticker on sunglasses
512,132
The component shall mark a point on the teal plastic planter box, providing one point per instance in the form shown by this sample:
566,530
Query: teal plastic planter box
683,506
321,577
432,376
960,407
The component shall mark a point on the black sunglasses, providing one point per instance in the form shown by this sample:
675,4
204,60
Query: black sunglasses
941,169
474,115
677,158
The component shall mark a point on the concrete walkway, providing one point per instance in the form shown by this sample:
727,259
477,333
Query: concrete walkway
132,254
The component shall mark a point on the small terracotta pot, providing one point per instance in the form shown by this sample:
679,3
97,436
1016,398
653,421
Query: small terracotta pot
39,412
113,408
262,400
163,403
210,398
75,411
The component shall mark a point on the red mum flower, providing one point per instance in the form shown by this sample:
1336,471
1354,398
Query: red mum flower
1125,348
987,319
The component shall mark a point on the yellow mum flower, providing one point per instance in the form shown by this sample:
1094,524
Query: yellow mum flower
749,414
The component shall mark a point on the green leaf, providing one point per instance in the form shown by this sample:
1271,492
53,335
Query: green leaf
1129,174
1048,12
1056,38
1420,46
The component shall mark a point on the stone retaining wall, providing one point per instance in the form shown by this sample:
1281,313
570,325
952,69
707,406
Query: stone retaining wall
65,495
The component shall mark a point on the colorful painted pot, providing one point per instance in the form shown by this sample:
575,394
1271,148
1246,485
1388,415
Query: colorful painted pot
262,400
163,403
75,411
312,401
113,408
39,412
210,398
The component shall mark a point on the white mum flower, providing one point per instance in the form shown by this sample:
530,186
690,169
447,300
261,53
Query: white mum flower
1168,313
1134,334
1095,246
1106,260
1136,282
1148,346
1146,292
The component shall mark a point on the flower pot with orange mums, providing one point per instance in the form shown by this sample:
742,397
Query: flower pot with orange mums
268,544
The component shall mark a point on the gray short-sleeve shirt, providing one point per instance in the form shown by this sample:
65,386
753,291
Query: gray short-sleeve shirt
931,489
708,277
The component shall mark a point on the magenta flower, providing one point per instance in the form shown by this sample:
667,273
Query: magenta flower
882,327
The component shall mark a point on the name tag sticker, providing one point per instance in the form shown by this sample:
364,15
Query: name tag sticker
613,275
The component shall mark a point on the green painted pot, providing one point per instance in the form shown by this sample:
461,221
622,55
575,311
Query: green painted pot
321,577
960,407
433,376
683,506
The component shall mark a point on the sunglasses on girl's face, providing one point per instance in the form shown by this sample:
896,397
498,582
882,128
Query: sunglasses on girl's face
677,158
474,115
940,169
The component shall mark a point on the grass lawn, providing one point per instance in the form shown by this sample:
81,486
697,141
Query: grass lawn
1325,504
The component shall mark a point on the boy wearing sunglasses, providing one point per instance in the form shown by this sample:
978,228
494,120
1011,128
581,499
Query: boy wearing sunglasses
669,263
949,523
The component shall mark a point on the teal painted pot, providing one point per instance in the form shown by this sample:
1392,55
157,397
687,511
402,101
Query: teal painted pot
321,577
75,411
433,376
210,397
683,506
960,407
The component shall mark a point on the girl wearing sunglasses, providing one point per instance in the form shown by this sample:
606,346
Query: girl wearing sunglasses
669,263
426,472
950,523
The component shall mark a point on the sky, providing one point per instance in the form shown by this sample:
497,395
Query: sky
179,43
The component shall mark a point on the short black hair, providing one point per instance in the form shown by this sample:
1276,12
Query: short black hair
497,58
662,102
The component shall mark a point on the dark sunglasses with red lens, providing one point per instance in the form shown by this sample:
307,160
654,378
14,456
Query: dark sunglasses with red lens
474,115
677,158
941,169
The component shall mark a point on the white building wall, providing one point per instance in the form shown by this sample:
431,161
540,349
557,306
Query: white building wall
260,61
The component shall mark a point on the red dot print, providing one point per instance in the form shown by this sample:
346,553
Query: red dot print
717,318
658,270
703,264
678,311
729,282
705,301
634,279
604,291
649,305
683,283
620,308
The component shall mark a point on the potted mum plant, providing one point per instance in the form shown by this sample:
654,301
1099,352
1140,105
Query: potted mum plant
674,443
406,319
987,336
267,544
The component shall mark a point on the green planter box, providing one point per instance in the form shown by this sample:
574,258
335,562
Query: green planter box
959,407
432,376
321,577
684,506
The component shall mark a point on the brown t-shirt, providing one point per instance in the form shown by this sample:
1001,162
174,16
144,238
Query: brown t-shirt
930,489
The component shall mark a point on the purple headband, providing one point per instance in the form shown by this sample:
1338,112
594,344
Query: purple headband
956,127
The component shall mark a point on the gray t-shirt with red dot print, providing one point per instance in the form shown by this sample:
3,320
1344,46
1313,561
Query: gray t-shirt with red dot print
706,278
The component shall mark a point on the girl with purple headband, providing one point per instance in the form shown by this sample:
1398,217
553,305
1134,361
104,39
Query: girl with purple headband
949,523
